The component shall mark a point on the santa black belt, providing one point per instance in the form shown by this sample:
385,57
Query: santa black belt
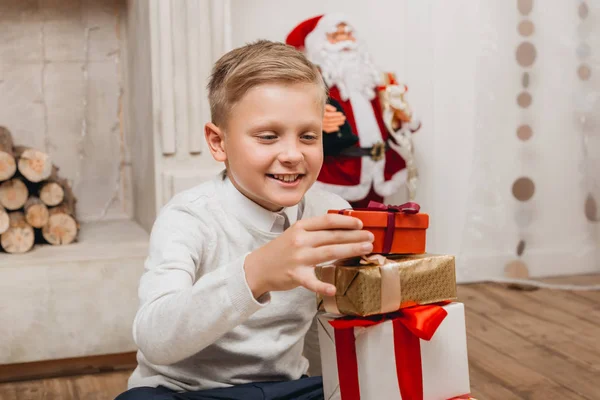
376,152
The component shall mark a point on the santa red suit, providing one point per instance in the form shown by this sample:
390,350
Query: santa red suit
373,168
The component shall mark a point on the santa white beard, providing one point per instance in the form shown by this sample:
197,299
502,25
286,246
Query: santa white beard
347,66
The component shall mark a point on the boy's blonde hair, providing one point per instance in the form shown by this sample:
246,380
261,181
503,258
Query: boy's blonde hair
254,64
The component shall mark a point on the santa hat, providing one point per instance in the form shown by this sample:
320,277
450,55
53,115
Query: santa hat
315,26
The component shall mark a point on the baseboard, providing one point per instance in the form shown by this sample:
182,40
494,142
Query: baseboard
67,366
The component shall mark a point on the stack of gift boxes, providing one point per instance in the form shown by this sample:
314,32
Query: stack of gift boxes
393,330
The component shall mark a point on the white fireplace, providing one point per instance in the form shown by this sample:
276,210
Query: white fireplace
114,91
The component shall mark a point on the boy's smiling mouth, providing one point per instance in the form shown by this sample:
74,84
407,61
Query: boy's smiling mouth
286,178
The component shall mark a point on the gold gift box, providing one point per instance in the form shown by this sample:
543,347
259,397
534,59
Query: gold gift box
361,291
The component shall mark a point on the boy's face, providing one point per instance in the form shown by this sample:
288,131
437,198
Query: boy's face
272,145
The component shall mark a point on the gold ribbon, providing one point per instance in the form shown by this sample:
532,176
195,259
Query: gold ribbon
391,290
328,276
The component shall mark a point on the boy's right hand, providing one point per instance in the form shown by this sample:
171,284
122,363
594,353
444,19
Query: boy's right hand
289,261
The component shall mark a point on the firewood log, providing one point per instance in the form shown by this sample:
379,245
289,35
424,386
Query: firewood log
35,165
52,190
20,237
62,226
4,220
36,212
52,193
13,194
8,165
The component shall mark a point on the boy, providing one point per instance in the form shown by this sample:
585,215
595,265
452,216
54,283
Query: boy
227,297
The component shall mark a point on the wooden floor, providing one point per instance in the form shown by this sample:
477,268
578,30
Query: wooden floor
539,344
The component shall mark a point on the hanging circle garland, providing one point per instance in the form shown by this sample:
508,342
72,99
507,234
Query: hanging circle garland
584,73
524,132
523,188
524,99
583,10
525,80
525,6
526,54
526,28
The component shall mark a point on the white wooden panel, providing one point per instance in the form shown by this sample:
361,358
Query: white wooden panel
165,64
206,64
222,29
141,125
179,41
176,181
155,72
198,23
167,189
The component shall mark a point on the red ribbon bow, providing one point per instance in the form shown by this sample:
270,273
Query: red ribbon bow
409,326
406,208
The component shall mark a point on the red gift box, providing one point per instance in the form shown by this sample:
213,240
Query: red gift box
397,229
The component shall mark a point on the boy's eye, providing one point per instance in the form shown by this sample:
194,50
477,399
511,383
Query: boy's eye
267,136
309,136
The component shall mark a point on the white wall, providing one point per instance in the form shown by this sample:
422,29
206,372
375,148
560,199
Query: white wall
458,59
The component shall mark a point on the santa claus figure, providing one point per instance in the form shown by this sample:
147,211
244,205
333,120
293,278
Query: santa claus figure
370,104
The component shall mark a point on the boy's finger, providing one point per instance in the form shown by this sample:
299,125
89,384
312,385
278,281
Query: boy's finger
306,277
332,252
331,221
328,237
329,107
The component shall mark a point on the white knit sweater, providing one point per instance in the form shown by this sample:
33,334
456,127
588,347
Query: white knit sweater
198,325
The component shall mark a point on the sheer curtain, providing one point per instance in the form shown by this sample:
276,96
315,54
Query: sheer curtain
535,181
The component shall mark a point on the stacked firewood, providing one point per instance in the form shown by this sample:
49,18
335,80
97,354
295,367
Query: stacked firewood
36,205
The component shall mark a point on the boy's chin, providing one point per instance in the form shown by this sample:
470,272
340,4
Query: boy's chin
286,201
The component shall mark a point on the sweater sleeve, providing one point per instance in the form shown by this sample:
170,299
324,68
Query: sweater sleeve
182,308
312,350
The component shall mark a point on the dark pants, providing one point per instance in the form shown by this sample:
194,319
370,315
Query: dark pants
301,389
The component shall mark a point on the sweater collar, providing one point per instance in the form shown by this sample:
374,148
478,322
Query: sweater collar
256,215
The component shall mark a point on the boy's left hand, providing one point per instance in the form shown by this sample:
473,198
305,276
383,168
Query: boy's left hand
289,261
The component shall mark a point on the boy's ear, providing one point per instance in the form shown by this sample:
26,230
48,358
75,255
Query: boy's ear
215,140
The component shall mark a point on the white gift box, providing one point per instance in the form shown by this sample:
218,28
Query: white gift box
444,363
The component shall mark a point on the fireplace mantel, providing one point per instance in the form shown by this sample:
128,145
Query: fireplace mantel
80,300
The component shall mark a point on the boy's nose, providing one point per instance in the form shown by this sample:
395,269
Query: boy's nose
291,155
